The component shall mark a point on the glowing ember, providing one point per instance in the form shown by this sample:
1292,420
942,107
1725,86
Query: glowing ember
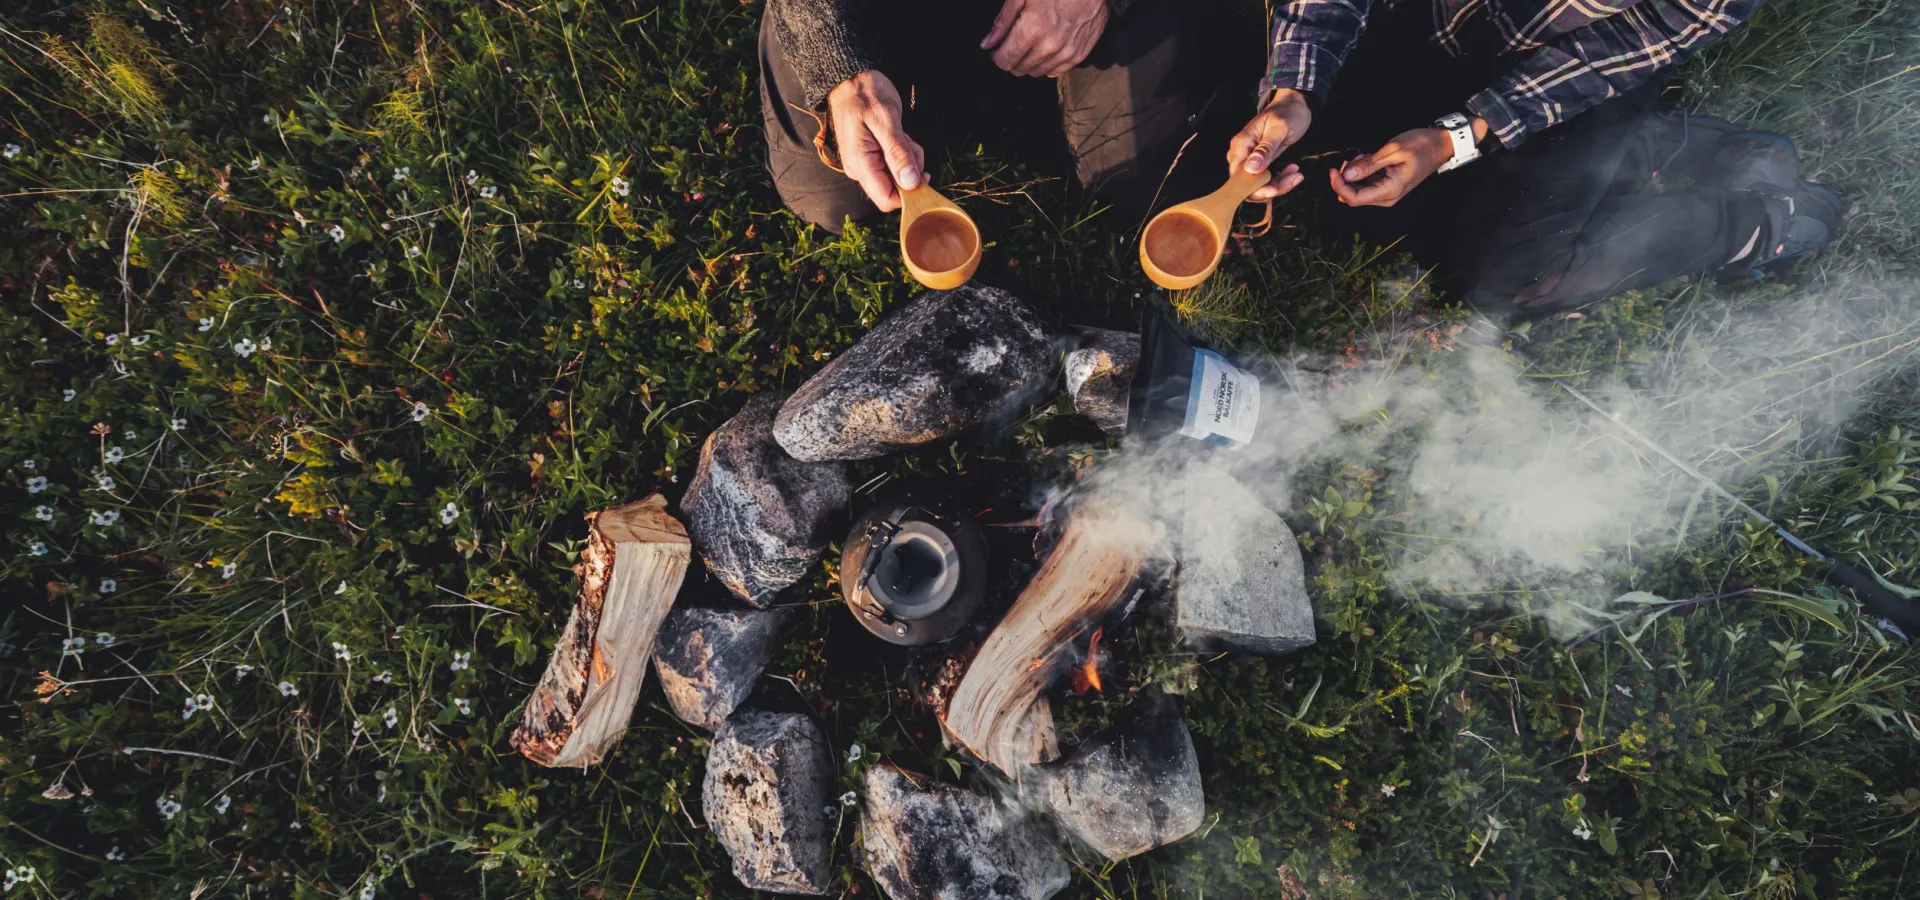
1087,677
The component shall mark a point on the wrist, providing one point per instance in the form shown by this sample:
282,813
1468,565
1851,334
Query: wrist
1480,129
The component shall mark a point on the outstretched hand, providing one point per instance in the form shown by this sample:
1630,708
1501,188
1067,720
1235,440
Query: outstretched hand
874,148
1385,176
1044,37
1267,135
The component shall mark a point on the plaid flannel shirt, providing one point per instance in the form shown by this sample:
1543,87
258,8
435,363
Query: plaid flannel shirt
1570,54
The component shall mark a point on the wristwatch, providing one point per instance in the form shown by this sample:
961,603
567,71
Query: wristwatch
1460,129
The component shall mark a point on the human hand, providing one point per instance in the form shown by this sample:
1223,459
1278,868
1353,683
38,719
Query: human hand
1385,176
1044,37
1275,128
874,150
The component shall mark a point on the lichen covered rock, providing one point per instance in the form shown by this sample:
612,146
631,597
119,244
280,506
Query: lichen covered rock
937,842
766,785
1100,376
1133,788
708,659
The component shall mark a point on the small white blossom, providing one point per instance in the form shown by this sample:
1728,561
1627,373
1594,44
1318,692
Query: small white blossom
241,671
420,411
113,339
104,638
854,753
244,348
254,166
73,646
28,463
579,285
383,677
337,233
168,808
188,712
178,424
288,690
390,717
107,517
36,484
10,151
1624,690
620,185
116,854
460,660
401,173
1584,778
220,805
227,570
108,585
413,251
1871,798
266,343
67,395
105,481
37,548
366,890
203,701
115,454
449,513
1583,832
848,799
340,588
473,177
1386,790
43,513
465,705
488,192
340,651
139,339
206,324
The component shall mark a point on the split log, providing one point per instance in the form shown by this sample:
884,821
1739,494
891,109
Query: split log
993,713
635,558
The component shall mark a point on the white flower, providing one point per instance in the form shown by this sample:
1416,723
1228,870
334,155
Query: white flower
36,484
255,165
108,585
579,285
1584,778
366,890
206,324
104,639
113,339
178,424
266,343
337,233
227,570
241,671
187,713
460,658
1624,690
1871,798
620,185
1386,790
420,411
37,548
1583,832
168,808
340,651
28,463
220,805
339,589
105,518
413,251
67,395
473,177
847,799
43,513
488,192
401,173
854,753
465,705
245,348
390,717
105,481
139,339
203,701
116,854
73,646
383,677
10,151
449,513
115,454
288,690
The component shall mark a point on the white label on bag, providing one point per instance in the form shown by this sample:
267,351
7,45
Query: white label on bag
1223,404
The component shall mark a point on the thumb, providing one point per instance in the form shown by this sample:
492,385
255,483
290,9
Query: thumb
1002,23
1360,169
901,154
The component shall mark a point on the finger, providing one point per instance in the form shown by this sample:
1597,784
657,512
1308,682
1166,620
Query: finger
1385,192
1362,168
1341,188
1283,181
1040,57
1002,23
869,170
1014,48
901,154
1240,146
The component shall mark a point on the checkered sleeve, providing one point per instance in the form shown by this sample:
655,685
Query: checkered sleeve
1311,39
1577,70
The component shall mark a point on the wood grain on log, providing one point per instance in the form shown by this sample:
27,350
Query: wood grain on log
631,569
993,713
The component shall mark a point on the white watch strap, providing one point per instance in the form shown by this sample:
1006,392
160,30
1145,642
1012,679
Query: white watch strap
1464,150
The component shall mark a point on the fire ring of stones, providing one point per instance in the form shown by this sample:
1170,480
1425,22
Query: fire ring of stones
771,487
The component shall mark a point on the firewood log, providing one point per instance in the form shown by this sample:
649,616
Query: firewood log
630,571
993,713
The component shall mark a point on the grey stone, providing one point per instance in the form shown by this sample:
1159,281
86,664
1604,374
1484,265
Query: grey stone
1100,376
766,785
1242,583
1133,788
759,517
945,363
942,843
708,659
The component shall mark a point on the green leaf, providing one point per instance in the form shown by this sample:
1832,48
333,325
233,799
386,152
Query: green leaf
1806,606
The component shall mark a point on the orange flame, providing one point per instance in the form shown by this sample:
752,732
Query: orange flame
1087,677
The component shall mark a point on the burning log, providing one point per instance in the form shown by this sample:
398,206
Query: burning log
997,710
635,559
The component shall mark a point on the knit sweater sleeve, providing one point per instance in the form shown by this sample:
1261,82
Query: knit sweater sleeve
825,41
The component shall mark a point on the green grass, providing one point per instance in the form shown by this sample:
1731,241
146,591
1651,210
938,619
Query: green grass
556,344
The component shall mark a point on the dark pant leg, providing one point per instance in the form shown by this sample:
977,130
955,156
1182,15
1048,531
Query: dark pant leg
1547,226
807,185
1125,109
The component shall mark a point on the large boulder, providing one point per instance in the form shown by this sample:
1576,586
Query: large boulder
945,363
708,659
1100,376
766,787
1133,788
1242,584
759,517
936,842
